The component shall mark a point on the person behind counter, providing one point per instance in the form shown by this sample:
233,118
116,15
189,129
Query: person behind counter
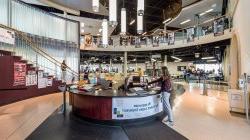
166,88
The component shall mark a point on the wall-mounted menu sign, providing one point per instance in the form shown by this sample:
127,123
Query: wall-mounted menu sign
19,74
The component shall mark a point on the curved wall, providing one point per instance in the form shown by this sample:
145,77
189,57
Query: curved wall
241,20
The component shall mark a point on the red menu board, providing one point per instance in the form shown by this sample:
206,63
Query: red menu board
19,74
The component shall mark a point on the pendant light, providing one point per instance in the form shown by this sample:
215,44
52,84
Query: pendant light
113,12
95,5
139,24
105,33
140,7
123,21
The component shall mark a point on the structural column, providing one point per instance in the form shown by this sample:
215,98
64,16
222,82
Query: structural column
125,64
165,60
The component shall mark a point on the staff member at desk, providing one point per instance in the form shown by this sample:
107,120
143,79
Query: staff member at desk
166,88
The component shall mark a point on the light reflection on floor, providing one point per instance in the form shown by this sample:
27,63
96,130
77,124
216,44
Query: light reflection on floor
200,117
197,117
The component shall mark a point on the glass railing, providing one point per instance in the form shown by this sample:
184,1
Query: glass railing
216,26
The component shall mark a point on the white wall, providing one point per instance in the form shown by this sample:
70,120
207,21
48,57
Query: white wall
241,23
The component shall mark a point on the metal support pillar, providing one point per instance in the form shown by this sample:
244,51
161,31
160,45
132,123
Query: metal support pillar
125,64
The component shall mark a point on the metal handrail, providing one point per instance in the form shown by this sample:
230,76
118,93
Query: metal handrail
38,50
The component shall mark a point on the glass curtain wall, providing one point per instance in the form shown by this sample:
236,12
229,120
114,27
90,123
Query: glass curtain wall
54,35
4,12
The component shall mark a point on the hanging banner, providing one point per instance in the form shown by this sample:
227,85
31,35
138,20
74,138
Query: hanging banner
171,38
219,27
123,41
163,39
137,42
155,41
7,36
190,34
143,40
19,74
87,41
133,108
31,78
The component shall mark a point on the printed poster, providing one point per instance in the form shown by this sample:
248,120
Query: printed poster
42,82
19,74
7,36
31,78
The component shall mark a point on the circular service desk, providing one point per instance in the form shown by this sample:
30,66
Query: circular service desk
110,105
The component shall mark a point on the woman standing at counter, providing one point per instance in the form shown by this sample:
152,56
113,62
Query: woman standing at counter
166,88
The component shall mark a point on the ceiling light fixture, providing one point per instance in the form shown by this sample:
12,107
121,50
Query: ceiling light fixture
144,33
113,12
206,58
213,60
95,5
123,21
174,57
167,20
203,13
105,33
139,24
140,7
132,22
186,21
100,30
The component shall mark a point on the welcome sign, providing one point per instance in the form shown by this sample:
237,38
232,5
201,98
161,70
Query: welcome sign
136,107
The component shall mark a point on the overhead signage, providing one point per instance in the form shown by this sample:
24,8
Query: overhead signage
7,36
138,107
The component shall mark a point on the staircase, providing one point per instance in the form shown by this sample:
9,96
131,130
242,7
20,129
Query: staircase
10,93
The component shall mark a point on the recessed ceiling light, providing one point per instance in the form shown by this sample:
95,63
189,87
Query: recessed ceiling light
144,33
82,30
167,20
209,57
100,30
213,60
98,34
132,22
214,5
186,21
203,13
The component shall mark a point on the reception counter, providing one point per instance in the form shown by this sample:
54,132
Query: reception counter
112,105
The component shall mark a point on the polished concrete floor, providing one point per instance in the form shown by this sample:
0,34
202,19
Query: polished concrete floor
197,117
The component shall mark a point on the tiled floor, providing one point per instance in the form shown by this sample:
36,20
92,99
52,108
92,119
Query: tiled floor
197,117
